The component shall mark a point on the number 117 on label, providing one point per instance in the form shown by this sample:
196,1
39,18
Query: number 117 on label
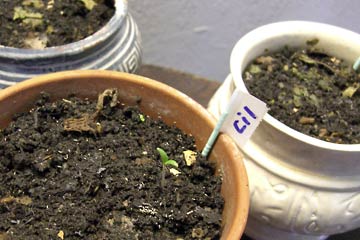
245,112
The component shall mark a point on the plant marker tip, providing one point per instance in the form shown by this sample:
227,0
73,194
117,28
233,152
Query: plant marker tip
356,64
214,135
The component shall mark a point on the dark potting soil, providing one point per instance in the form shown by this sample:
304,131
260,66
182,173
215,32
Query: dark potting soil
74,170
47,23
310,91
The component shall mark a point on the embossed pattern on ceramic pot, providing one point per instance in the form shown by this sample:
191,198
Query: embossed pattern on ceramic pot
116,46
301,187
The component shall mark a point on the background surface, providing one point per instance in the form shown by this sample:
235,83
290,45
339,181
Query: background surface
197,36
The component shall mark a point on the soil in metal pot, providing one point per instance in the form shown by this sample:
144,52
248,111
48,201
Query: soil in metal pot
77,169
38,24
310,91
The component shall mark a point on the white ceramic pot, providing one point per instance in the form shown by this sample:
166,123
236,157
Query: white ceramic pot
301,187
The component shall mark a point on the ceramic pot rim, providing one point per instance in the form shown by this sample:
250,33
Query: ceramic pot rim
271,31
121,10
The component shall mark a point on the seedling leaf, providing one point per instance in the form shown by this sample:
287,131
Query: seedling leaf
142,118
164,157
171,163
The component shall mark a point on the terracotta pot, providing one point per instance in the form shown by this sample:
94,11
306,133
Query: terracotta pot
116,46
301,187
157,99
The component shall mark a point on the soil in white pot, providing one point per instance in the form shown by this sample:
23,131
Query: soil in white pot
310,91
77,169
45,23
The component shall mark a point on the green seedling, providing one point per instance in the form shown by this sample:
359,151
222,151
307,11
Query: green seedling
142,118
165,161
165,158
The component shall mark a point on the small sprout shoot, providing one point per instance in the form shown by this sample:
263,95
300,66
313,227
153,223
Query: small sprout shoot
142,117
165,161
165,158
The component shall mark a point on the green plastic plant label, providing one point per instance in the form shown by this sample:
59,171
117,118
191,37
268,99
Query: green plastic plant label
244,114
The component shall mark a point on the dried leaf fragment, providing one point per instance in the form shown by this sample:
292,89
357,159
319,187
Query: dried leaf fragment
35,3
297,101
84,124
24,200
30,18
174,172
50,4
350,91
89,4
126,223
87,122
324,84
264,60
21,200
7,199
111,93
197,233
38,42
314,100
50,29
21,13
306,120
335,60
254,69
61,234
190,157
111,221
4,236
306,59
143,161
323,132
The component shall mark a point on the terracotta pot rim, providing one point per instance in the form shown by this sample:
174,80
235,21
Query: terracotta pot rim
298,28
238,226
121,9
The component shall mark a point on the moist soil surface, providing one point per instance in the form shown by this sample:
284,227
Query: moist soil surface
309,91
77,169
45,23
